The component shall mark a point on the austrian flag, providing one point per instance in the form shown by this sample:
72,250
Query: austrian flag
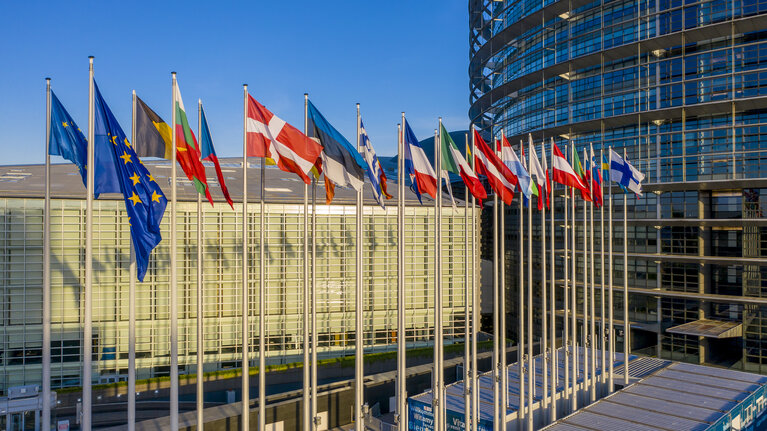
271,137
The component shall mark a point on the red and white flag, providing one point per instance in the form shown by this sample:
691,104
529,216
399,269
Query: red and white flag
563,173
487,163
271,137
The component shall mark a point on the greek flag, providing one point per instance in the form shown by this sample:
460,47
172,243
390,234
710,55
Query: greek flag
374,172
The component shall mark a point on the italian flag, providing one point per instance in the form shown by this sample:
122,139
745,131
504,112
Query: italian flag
187,150
453,161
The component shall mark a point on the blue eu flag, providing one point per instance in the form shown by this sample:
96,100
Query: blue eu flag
118,165
66,139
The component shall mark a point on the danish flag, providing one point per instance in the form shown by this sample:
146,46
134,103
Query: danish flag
271,137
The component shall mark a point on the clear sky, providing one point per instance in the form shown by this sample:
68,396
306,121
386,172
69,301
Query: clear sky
390,56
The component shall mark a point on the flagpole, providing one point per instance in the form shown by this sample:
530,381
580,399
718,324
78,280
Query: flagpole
475,303
602,266
520,311
552,293
86,419
173,274
313,338
544,304
307,420
573,298
565,290
245,277
610,303
132,303
626,324
200,311
530,356
359,372
438,372
585,324
262,303
467,383
402,418
496,317
46,422
502,312
592,328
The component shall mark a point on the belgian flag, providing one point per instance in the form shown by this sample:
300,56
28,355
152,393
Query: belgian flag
153,135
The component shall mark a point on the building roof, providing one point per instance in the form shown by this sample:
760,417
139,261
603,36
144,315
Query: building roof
28,181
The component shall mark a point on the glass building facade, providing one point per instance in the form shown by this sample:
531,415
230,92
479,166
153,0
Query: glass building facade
21,241
681,86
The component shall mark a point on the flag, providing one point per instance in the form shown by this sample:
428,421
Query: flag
66,139
562,172
207,152
341,162
596,177
374,171
144,200
605,168
453,161
516,167
537,171
487,163
153,135
418,167
625,174
582,175
271,137
187,151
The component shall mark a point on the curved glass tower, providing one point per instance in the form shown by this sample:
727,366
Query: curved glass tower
682,87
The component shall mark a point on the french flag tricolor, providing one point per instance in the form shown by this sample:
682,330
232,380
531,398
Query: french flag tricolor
418,167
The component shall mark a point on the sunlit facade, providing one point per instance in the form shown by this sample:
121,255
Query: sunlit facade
681,87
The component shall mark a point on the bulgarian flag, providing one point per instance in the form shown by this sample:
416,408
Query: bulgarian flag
187,150
454,162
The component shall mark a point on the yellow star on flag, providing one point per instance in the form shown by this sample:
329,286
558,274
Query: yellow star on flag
135,178
156,197
126,157
127,144
151,178
64,123
129,224
114,140
135,199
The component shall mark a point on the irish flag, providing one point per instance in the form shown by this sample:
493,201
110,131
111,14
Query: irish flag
187,150
454,162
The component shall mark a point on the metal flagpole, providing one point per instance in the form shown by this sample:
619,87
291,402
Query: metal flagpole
474,305
173,274
544,304
438,388
467,383
565,290
552,293
359,372
626,324
262,303
132,304
402,418
200,328
610,301
603,338
496,318
502,313
313,338
86,419
585,331
521,312
530,356
307,420
245,280
47,266
593,296
573,298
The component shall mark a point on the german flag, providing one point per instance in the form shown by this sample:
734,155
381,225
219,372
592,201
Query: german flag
153,135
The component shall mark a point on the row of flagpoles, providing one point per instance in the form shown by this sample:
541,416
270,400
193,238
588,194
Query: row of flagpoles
321,149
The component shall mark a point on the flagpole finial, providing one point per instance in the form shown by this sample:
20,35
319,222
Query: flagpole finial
47,79
90,57
173,73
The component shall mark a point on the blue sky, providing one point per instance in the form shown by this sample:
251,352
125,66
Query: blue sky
390,56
